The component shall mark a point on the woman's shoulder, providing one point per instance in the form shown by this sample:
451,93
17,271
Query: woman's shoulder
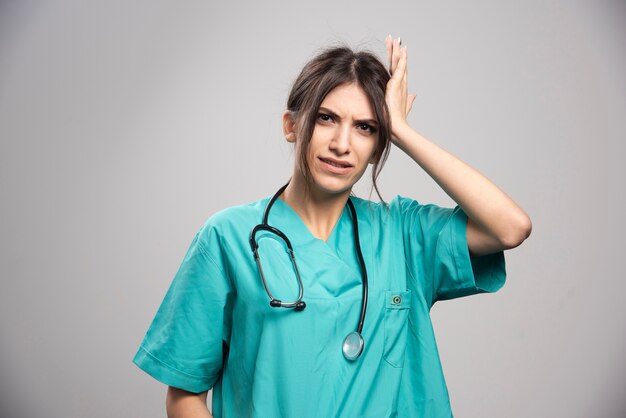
238,213
401,210
398,205
233,219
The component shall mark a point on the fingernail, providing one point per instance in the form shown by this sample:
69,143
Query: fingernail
399,41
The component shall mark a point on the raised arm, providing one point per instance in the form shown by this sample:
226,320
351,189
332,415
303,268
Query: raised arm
495,221
183,404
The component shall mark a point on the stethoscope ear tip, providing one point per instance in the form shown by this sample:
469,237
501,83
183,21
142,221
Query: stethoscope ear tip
299,306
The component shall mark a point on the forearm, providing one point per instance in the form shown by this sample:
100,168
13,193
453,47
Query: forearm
487,207
183,404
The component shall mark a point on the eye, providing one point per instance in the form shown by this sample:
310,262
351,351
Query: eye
324,117
366,127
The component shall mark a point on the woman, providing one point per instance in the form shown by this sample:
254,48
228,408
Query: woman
385,264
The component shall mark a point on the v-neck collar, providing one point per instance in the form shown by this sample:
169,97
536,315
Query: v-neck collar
340,245
284,217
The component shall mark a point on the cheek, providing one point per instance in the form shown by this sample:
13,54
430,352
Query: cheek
307,155
376,151
370,152
372,159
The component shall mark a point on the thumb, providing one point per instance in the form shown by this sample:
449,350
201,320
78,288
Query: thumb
409,102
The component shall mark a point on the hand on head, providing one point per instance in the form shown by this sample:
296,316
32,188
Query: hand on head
399,102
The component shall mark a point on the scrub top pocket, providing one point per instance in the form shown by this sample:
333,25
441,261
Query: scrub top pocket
397,306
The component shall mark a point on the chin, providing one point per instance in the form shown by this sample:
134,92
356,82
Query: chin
332,186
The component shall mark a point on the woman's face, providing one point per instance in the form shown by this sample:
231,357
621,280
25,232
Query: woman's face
344,140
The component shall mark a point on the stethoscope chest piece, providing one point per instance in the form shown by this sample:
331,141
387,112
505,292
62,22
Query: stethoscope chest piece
353,346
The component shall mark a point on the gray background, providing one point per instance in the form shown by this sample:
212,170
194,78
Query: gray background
124,125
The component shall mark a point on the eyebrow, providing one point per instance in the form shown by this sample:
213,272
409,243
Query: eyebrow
336,116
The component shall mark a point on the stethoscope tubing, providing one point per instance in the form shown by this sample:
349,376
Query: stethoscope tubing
362,265
299,303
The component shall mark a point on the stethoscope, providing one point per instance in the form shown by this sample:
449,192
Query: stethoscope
353,343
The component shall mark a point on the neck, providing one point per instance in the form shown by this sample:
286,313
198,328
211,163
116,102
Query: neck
319,211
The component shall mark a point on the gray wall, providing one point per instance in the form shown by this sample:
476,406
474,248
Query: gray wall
124,125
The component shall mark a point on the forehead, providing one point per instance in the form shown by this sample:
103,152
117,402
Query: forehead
349,100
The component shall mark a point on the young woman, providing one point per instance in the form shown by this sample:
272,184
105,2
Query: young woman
315,303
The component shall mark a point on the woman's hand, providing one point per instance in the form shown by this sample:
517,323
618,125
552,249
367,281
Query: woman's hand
495,222
399,102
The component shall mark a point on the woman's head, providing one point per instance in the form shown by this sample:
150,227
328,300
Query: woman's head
332,68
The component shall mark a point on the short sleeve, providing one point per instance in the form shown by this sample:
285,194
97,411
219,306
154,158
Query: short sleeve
184,344
438,257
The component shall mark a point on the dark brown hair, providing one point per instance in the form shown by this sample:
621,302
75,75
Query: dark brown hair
331,68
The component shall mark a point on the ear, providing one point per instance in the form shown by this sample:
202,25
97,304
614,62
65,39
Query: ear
289,126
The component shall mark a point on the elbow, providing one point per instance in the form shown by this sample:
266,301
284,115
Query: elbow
517,232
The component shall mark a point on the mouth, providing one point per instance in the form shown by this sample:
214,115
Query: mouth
336,163
336,167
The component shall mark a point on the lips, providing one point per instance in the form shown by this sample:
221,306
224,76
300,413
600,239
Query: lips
336,167
336,163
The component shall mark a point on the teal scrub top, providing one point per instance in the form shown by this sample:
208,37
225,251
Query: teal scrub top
216,329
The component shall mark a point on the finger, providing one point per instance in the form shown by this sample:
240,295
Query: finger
400,69
392,65
389,46
405,72
398,52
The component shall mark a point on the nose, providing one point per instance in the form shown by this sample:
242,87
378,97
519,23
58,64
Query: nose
341,140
